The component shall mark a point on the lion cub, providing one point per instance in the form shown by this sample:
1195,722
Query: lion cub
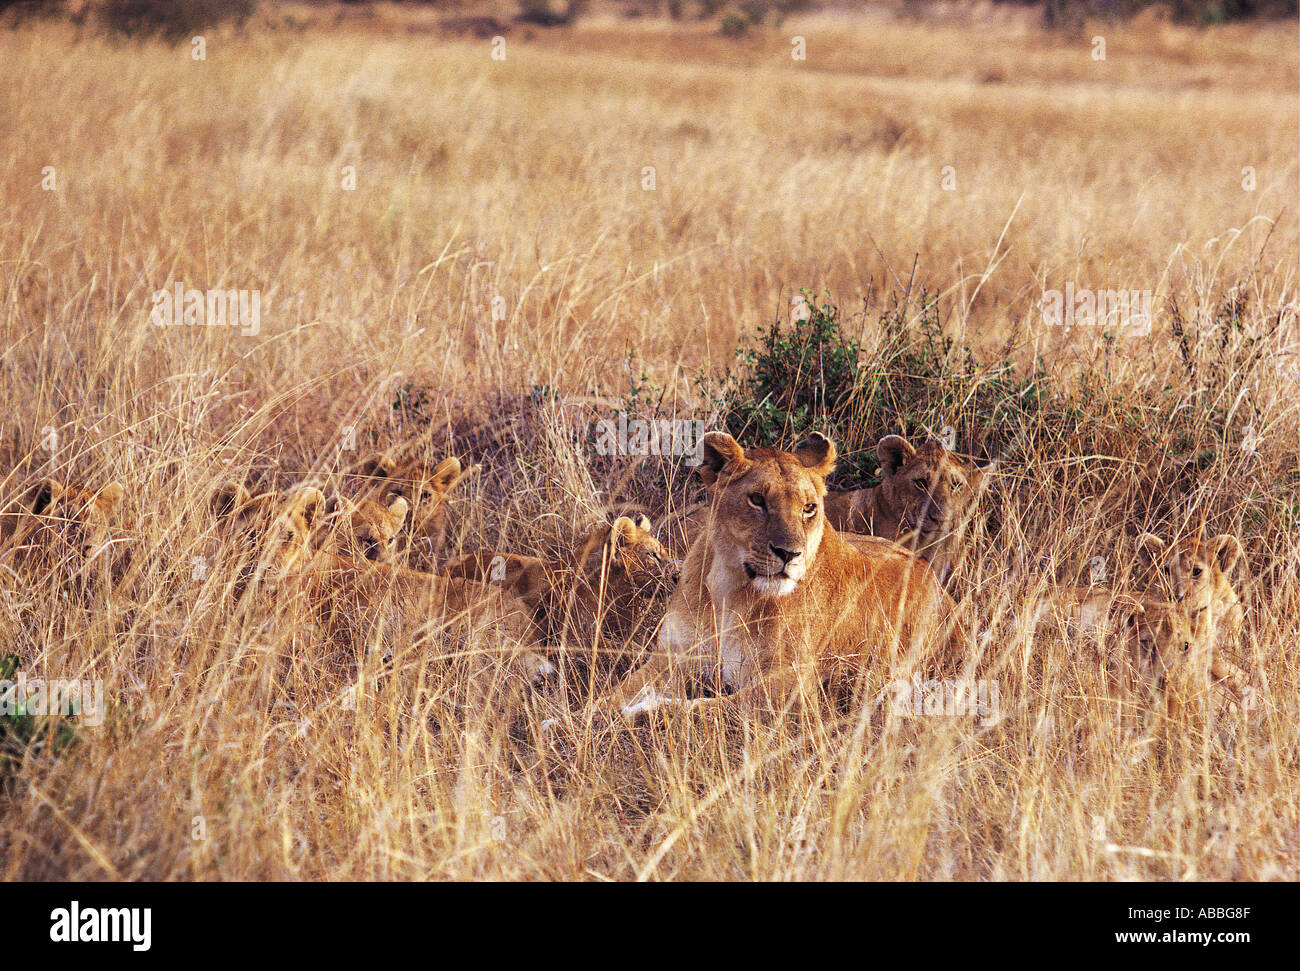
364,529
1147,644
1197,572
603,591
353,597
425,486
926,500
63,524
773,602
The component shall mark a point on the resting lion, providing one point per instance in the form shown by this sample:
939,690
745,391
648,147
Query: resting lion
272,535
601,594
925,501
772,601
66,525
425,486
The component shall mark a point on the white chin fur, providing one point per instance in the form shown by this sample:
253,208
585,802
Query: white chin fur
775,586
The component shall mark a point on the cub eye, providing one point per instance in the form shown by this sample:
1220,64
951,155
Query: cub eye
920,485
810,510
1196,571
957,485
756,500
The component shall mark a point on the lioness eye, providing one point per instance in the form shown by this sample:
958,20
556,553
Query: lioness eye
756,500
810,509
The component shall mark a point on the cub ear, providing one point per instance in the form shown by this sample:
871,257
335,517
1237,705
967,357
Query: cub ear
398,509
1226,548
722,453
643,523
309,502
110,496
45,494
378,465
623,530
446,474
228,498
893,451
1150,548
817,454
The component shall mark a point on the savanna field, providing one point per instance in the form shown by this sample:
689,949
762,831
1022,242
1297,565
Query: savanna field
482,256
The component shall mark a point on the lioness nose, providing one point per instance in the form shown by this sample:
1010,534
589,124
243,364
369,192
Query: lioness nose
785,556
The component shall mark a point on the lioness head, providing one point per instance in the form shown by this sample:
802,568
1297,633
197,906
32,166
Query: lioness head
71,518
1194,570
635,565
766,521
930,489
274,529
366,529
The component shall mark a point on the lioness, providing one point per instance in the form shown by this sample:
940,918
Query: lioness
604,591
425,486
925,501
772,601
68,524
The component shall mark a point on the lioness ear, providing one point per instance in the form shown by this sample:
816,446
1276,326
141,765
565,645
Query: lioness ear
109,496
231,496
445,474
1149,549
722,453
44,495
1226,548
398,509
893,451
817,454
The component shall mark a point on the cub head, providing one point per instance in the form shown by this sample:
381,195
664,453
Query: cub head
766,520
1158,636
367,529
73,518
635,565
932,491
275,530
1194,569
424,485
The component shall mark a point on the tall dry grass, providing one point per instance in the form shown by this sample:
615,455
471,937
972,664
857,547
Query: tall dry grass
523,179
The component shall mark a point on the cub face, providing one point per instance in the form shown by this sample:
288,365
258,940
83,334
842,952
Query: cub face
766,520
931,489
1195,571
425,486
366,529
274,529
635,563
67,519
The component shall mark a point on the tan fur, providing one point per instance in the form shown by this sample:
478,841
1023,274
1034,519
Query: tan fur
425,486
925,501
1151,646
68,524
379,603
364,528
1197,572
773,601
602,591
